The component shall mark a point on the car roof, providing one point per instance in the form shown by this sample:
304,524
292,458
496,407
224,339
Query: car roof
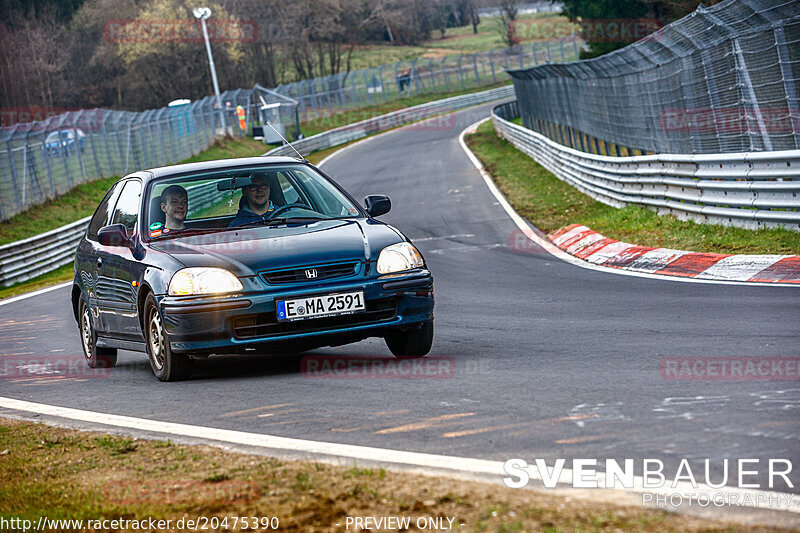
218,164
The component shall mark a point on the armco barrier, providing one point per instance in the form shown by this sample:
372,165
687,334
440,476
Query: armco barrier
28,258
750,190
359,130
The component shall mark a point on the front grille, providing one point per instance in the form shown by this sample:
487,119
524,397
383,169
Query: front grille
266,324
323,272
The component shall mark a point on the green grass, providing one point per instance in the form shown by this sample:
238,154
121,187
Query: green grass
456,41
550,204
68,474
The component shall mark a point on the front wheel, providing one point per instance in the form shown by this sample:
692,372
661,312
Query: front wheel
411,343
166,365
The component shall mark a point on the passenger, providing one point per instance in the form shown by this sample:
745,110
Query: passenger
256,205
175,204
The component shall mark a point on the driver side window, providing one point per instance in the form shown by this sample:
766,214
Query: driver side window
126,211
103,213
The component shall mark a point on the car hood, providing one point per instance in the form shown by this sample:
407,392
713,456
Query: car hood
246,252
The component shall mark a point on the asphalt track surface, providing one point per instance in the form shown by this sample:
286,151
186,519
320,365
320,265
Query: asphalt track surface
549,360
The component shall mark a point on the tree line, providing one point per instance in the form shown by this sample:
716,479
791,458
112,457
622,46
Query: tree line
141,54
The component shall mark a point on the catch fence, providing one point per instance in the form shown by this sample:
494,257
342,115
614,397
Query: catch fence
724,79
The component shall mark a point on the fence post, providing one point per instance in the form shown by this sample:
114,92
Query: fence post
786,72
90,135
46,161
78,148
62,150
744,79
14,175
491,64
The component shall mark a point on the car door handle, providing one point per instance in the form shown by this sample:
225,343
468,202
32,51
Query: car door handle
99,262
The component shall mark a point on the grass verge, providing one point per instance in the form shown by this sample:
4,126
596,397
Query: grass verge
67,474
549,204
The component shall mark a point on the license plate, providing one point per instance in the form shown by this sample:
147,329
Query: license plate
317,306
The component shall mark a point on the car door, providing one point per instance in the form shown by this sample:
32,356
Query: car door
89,259
121,313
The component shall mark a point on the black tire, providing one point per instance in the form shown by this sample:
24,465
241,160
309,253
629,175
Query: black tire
411,343
166,365
95,357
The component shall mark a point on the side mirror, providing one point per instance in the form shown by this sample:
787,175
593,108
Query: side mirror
377,204
113,235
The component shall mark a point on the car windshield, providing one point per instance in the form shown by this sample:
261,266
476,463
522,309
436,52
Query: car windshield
233,198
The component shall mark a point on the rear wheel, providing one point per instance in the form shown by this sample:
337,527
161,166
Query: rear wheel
166,365
95,357
411,343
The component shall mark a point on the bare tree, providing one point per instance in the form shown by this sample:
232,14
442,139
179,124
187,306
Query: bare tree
509,9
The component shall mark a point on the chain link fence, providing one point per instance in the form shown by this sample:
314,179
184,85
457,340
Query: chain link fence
43,160
723,79
450,73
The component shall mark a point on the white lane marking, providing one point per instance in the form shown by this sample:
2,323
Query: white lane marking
443,237
741,267
545,243
456,465
34,293
466,248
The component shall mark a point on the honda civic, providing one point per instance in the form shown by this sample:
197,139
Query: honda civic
262,255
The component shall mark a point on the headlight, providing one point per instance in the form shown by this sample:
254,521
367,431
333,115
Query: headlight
399,257
203,281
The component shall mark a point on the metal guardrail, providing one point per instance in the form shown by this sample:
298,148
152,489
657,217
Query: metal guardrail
748,189
31,257
28,258
359,130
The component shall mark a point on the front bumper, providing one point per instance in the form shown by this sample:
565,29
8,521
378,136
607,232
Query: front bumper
247,321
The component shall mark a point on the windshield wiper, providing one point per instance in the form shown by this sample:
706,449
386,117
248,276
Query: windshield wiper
291,220
185,233
280,220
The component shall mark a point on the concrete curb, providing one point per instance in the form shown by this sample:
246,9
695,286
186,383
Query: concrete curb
586,244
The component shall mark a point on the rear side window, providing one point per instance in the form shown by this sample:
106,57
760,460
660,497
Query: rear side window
127,210
103,213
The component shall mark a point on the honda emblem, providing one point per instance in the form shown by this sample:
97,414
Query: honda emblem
311,273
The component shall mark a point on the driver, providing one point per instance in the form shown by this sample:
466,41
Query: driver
175,204
257,206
